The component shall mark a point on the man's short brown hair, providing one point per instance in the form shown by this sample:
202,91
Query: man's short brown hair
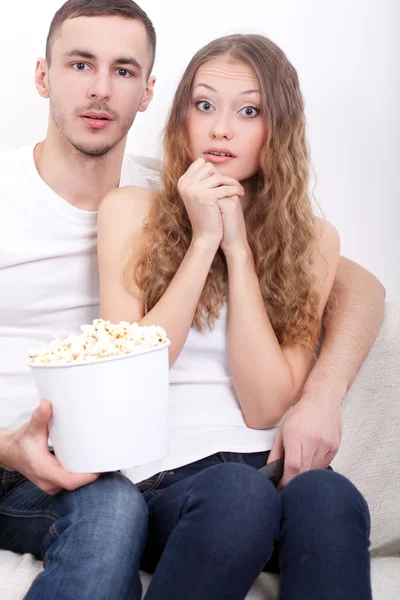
101,8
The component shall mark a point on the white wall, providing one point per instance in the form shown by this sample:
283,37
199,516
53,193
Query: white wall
346,54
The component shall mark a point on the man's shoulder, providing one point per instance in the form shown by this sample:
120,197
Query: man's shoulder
146,168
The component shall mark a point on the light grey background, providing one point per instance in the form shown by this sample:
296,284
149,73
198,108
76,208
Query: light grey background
347,56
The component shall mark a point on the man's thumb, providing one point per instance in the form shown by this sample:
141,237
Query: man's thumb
277,447
41,416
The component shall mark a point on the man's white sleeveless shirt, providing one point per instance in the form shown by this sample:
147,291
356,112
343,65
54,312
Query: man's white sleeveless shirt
48,273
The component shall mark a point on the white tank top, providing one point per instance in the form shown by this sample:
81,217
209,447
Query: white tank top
205,414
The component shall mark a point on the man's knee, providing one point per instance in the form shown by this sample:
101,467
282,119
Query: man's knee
109,510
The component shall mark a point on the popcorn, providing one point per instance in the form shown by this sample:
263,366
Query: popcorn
100,340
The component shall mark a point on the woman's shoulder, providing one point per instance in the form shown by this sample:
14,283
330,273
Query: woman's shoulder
121,216
326,255
127,202
327,236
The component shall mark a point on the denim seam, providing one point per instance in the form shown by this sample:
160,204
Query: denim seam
155,484
29,513
10,476
52,531
240,458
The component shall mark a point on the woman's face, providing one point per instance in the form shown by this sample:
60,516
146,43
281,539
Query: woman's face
225,117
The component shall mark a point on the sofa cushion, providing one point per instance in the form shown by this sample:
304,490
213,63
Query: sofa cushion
370,449
17,573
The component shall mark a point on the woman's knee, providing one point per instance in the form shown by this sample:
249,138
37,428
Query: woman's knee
232,483
237,501
327,500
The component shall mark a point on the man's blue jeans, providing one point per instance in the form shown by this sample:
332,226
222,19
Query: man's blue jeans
90,540
206,530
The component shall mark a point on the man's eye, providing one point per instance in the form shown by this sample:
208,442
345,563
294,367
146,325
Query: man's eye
80,66
250,111
124,73
204,106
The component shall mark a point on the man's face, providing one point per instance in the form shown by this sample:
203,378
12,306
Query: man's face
97,80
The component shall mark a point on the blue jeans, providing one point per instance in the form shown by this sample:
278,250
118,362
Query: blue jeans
216,523
206,530
90,540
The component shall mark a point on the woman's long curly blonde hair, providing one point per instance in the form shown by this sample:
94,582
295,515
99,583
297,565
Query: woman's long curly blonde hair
279,217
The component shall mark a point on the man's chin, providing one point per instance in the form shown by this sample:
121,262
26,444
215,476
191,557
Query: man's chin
93,149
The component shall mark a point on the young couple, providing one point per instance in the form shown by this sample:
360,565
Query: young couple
227,257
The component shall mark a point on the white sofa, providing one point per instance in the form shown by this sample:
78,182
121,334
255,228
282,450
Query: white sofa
369,455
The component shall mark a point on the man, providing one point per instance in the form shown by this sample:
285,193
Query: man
90,531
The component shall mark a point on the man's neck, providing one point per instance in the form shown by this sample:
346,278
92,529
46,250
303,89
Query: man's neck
81,180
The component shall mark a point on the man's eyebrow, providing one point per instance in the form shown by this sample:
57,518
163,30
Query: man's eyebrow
209,87
129,60
122,60
81,53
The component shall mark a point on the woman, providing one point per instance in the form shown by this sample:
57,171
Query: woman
229,259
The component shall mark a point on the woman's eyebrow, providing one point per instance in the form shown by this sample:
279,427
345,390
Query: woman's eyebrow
209,87
249,92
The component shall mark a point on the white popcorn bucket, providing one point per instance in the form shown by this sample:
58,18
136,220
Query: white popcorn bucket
109,414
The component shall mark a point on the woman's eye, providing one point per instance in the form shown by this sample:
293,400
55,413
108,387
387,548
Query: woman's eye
250,111
80,66
204,106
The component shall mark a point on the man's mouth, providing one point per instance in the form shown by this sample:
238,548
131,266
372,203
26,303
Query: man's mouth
97,116
97,121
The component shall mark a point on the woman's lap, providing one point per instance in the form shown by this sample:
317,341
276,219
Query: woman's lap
166,489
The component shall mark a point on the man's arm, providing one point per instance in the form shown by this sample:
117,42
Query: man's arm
310,434
352,321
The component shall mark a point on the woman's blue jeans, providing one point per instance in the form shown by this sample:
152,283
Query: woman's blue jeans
206,530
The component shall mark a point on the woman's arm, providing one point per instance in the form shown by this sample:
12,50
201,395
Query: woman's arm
268,378
120,221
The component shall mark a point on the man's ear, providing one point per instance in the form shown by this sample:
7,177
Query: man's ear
42,77
148,96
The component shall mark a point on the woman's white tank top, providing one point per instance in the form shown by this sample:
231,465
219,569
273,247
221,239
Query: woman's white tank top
205,414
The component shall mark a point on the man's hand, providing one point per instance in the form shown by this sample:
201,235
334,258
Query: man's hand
27,452
309,436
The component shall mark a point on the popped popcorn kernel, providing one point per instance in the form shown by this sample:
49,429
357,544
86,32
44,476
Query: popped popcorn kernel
102,339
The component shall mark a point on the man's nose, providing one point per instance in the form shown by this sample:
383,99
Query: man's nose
100,86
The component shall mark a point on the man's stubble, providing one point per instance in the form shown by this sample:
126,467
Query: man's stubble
84,148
